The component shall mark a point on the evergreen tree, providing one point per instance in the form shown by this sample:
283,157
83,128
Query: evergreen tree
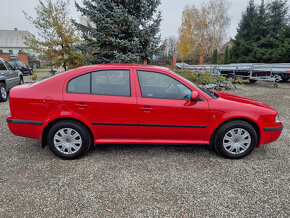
246,35
227,57
215,57
279,31
120,31
263,35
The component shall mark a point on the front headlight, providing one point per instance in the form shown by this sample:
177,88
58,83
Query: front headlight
277,119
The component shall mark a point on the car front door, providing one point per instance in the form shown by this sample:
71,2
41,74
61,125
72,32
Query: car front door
106,99
165,110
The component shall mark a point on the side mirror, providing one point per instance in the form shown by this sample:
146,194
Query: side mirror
195,96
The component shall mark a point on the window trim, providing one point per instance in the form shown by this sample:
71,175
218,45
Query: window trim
91,82
165,75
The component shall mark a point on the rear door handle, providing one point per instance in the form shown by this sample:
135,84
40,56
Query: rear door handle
81,105
146,108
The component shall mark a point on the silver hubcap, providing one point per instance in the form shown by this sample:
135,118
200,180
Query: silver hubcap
3,92
237,141
67,141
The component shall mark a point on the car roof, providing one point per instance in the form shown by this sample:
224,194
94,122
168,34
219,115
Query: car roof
125,65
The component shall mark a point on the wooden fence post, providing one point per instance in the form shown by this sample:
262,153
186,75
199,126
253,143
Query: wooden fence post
201,60
174,62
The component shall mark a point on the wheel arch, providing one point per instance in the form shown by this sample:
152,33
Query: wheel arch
3,80
52,122
251,122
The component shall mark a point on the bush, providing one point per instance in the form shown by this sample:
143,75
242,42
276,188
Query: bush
203,79
34,77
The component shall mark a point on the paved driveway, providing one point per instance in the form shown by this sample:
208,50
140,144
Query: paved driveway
148,180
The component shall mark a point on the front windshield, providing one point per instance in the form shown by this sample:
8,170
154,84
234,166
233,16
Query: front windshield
206,91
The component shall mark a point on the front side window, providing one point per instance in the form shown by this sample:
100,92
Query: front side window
158,85
80,84
104,82
111,82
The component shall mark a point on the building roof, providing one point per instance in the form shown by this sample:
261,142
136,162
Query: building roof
13,38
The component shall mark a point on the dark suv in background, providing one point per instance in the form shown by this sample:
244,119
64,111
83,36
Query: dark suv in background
18,65
9,77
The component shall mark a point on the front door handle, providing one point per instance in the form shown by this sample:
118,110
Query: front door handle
146,108
81,105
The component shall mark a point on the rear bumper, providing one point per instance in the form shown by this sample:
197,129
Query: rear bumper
25,128
270,133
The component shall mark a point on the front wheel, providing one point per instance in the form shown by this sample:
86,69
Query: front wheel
3,92
235,139
69,139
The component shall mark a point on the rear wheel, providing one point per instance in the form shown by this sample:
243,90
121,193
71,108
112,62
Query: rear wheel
236,139
3,92
68,139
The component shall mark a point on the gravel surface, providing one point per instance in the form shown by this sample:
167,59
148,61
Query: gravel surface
148,180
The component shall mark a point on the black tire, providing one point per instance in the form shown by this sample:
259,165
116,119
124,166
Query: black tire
252,80
231,76
285,79
76,127
234,125
3,92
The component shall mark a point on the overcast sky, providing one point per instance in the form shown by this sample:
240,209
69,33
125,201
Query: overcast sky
11,14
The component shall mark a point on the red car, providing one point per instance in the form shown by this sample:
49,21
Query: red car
139,104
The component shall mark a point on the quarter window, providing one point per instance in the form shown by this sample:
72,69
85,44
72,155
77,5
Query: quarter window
158,85
80,84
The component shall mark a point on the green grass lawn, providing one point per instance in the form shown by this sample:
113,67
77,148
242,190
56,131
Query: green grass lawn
36,71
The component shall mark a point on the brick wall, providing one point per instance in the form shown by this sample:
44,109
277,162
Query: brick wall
23,57
5,56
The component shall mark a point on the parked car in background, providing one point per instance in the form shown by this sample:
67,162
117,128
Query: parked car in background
139,104
18,65
9,77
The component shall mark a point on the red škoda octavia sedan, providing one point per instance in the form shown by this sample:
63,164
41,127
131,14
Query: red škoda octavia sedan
119,103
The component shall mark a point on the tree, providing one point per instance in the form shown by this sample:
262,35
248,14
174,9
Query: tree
170,48
57,36
227,56
263,34
215,57
202,30
120,31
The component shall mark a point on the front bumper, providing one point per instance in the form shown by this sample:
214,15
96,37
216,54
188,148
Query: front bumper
270,133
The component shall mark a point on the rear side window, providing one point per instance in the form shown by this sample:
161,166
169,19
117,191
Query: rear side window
2,66
104,82
111,82
80,84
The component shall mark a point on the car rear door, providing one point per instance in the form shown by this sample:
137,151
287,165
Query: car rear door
165,111
106,99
